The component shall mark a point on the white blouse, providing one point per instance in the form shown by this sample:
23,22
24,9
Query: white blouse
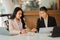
14,27
46,22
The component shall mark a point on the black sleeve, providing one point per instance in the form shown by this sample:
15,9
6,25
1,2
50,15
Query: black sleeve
38,25
54,22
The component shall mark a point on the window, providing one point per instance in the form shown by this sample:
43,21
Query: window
2,11
36,4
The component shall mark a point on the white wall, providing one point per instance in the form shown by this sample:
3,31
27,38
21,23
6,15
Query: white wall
8,5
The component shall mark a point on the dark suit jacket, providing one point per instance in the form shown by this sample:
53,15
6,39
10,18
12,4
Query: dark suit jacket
51,22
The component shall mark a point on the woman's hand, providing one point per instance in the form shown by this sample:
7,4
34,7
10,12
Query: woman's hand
34,30
23,31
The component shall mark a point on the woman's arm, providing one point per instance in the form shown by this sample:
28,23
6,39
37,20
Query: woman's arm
12,29
54,22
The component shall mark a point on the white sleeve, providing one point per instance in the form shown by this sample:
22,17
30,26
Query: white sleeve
11,29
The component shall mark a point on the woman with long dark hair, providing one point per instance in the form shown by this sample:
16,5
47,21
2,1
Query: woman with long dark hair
16,22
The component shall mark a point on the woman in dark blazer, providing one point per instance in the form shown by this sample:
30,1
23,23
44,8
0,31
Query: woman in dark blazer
51,22
44,20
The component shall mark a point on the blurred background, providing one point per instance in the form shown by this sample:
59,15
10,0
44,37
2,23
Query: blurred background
30,8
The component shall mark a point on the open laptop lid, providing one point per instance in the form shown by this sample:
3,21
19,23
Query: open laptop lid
3,31
45,30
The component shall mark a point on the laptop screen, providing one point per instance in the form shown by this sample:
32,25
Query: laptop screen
46,30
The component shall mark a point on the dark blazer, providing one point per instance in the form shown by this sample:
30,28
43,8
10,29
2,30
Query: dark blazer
51,22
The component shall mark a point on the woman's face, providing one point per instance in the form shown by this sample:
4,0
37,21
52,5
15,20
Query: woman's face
19,14
42,14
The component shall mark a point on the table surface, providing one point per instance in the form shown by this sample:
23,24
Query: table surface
4,35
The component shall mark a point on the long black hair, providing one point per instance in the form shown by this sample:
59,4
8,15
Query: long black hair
14,15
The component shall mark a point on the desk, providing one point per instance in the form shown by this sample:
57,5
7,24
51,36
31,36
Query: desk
28,36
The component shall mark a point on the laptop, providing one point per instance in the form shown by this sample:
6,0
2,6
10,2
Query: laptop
45,30
3,31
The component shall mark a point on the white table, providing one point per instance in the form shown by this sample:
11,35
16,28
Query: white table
29,36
